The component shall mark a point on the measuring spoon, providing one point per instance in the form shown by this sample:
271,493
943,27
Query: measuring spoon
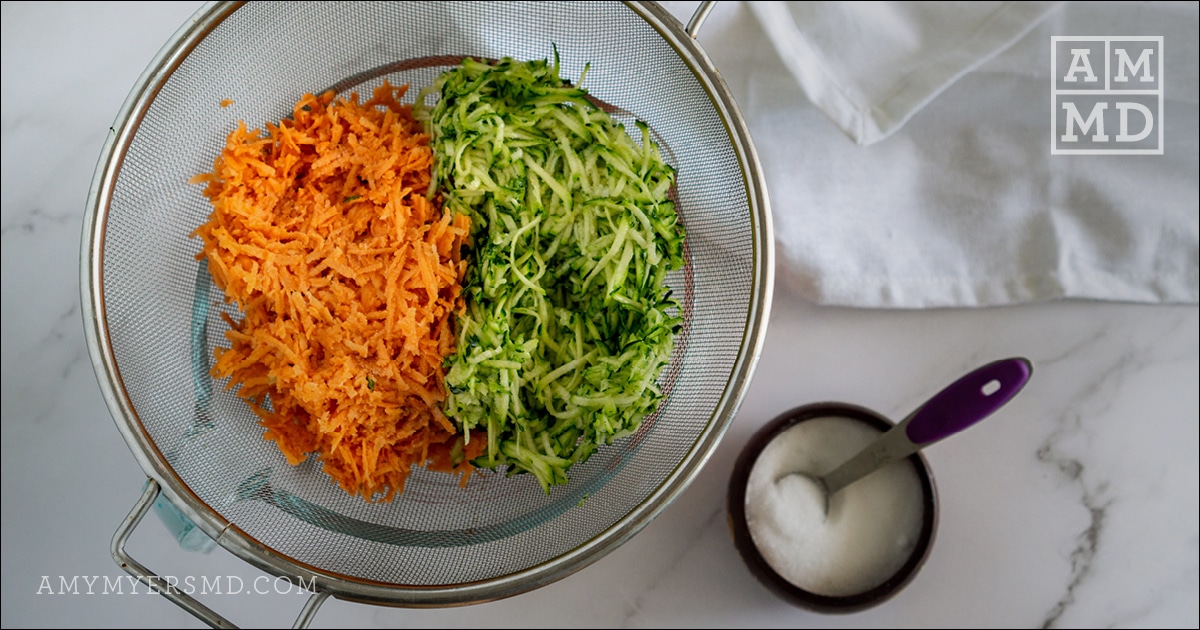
964,402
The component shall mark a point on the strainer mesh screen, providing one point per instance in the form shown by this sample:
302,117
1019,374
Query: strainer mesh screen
163,313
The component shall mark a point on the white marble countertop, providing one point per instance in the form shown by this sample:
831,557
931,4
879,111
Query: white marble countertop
1075,506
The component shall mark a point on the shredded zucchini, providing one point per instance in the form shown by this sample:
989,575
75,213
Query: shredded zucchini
568,323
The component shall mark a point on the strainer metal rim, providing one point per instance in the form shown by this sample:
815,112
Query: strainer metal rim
241,544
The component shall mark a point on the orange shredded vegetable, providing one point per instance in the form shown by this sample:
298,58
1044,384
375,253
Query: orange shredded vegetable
347,276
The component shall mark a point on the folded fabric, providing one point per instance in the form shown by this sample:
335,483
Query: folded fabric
963,204
872,65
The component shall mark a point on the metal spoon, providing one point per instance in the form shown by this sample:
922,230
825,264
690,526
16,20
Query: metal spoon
966,401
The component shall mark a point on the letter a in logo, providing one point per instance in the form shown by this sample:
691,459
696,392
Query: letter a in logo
1080,63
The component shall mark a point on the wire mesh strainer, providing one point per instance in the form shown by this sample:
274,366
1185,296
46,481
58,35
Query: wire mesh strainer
154,317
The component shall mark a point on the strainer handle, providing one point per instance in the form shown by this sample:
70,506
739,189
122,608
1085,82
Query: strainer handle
701,13
169,590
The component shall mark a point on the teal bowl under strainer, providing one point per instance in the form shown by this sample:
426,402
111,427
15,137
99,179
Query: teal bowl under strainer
153,315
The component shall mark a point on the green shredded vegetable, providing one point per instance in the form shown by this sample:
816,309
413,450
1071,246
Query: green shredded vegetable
568,322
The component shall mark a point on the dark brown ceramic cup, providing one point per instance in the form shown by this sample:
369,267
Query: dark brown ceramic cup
778,584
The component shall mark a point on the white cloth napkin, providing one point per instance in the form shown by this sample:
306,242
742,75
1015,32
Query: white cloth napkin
872,65
953,198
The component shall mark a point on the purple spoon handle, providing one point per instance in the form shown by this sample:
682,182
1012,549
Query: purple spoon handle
968,400
965,402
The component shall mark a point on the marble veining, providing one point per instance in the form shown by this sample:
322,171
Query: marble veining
1072,469
691,543
1067,449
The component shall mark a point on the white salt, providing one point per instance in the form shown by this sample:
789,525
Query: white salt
872,525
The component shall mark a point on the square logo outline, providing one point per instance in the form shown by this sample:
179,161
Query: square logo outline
1055,92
